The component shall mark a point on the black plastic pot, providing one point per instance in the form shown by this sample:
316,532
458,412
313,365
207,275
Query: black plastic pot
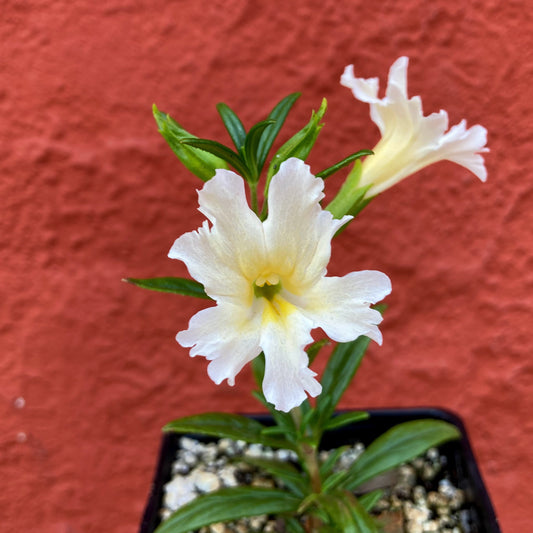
461,464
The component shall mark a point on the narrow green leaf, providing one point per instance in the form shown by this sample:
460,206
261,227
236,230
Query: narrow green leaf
258,369
283,420
199,162
295,480
398,445
334,480
370,499
221,151
301,143
341,164
346,418
233,125
329,463
293,525
278,114
339,372
186,287
338,513
251,144
364,523
314,349
229,504
227,425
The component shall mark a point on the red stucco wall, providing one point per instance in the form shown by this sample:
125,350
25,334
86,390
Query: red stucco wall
90,193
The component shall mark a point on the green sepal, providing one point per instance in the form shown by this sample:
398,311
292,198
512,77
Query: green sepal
183,286
225,425
398,445
201,163
341,164
350,199
233,124
221,151
345,418
229,504
278,114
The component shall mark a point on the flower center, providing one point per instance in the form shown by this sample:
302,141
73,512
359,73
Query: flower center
267,289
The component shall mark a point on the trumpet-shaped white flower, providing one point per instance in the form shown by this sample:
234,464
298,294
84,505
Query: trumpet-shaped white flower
269,283
409,140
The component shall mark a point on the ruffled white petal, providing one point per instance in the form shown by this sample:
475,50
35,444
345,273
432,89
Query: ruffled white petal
298,231
238,254
234,244
287,376
410,141
227,335
340,306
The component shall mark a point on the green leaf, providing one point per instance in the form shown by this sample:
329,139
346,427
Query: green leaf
293,525
199,162
295,480
300,144
278,114
233,125
369,500
339,372
338,513
227,425
329,463
221,151
229,504
398,445
314,349
258,369
341,164
186,287
251,144
364,523
346,418
282,420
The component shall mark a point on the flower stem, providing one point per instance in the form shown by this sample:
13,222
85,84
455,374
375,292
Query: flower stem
253,198
309,457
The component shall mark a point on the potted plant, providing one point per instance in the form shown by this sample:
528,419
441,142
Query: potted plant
262,262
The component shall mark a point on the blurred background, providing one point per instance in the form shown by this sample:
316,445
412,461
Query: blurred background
90,193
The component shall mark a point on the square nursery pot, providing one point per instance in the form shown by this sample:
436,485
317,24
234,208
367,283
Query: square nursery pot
460,466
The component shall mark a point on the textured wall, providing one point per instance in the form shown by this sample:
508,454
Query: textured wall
90,193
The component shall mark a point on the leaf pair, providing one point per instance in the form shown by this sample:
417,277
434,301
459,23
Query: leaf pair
252,147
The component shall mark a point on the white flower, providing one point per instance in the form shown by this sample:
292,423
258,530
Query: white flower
409,140
269,283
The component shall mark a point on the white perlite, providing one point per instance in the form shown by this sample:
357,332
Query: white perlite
201,468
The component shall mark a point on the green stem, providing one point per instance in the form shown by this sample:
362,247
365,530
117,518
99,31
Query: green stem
253,197
309,456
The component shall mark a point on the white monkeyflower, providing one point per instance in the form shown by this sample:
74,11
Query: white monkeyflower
409,140
269,283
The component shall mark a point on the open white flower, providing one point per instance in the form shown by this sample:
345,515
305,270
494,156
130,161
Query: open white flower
409,140
269,283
